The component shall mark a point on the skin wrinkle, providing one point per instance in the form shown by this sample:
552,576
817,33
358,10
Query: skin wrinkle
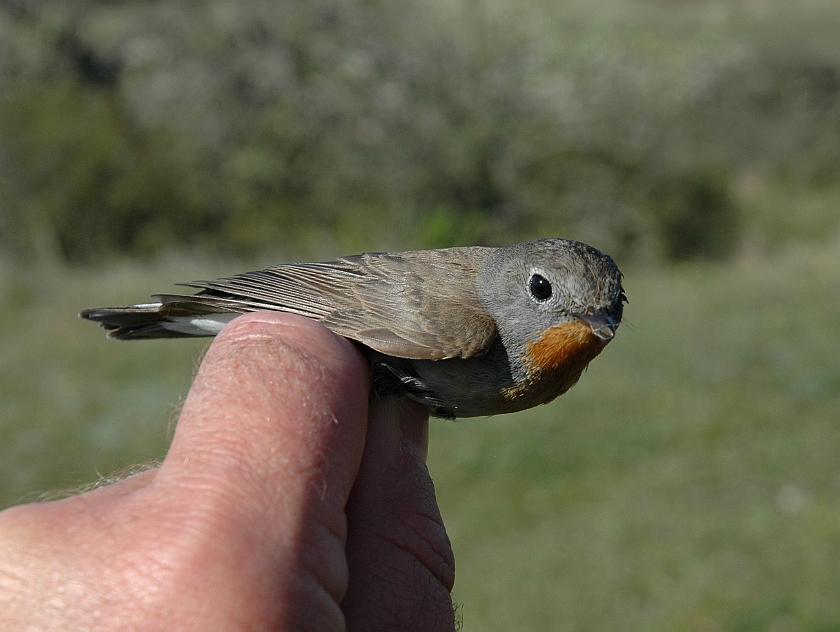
444,571
123,572
441,610
160,551
180,547
136,574
297,353
277,352
300,579
398,565
316,472
286,352
400,618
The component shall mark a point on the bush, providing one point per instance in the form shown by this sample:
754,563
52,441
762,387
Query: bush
311,128
696,216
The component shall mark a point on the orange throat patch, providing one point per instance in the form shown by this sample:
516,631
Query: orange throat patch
556,361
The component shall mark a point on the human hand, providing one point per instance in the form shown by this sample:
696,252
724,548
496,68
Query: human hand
286,502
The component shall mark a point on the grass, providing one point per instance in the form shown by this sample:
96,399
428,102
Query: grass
73,404
689,482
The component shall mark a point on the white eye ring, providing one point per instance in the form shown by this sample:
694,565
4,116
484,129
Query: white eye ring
539,287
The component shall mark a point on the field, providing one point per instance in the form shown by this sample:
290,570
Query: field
689,482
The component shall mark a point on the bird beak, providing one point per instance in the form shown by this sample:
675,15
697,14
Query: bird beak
601,323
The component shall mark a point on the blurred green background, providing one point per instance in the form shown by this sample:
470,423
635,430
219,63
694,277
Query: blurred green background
691,481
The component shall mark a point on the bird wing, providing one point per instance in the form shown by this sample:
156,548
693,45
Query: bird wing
418,305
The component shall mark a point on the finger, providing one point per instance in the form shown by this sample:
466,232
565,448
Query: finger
401,564
266,450
242,527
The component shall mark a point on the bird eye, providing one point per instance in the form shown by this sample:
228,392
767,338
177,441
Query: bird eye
540,288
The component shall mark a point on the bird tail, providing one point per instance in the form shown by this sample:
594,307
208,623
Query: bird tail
171,316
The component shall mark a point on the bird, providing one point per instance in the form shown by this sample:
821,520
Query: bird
469,331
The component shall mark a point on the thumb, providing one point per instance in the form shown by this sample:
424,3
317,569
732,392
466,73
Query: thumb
266,450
